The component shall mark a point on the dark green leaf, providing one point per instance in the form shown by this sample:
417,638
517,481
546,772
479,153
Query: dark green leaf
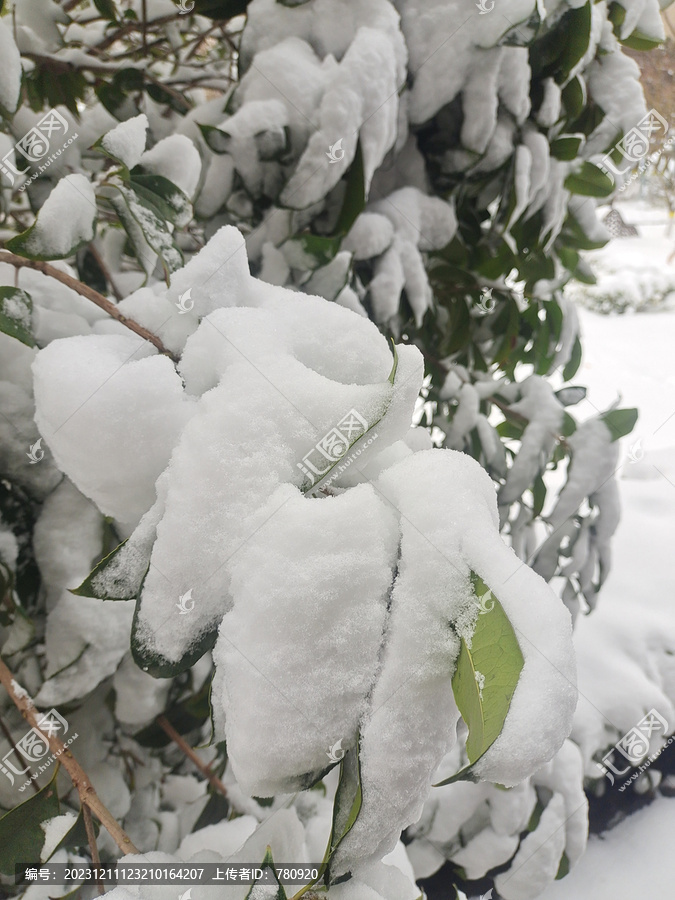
76,836
21,837
219,9
355,194
166,196
16,308
574,361
620,422
216,139
107,9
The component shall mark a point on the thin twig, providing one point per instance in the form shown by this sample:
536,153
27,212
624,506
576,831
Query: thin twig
215,782
91,837
17,752
100,262
85,789
85,291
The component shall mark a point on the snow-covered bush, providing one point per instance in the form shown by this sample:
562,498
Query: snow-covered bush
255,196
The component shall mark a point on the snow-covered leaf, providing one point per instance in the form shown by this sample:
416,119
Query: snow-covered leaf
66,222
569,396
167,197
126,142
486,675
148,230
21,834
113,578
16,308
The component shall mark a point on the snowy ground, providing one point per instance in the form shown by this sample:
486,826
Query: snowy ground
632,355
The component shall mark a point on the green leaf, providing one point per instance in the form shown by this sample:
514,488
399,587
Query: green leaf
16,307
620,421
107,9
563,868
486,675
639,41
21,837
539,496
347,804
566,147
355,194
589,181
569,426
573,362
574,98
280,893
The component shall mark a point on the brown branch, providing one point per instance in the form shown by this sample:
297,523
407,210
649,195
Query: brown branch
85,789
85,291
213,780
17,752
91,837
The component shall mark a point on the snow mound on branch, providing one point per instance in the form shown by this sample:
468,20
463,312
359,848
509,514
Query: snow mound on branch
176,158
10,70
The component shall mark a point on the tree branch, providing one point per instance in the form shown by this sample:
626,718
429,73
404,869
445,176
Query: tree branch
85,291
91,837
214,781
85,789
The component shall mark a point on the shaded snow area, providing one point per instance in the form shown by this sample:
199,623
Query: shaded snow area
626,647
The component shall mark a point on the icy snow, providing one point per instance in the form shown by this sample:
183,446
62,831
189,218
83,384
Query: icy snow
10,70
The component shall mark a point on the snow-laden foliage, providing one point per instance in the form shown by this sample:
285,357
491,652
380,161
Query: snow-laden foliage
243,533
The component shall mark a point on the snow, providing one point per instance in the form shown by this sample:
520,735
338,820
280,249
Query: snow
110,409
126,142
10,70
631,858
176,158
55,830
66,220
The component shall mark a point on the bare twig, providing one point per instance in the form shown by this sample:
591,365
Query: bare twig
85,789
91,837
85,291
215,782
